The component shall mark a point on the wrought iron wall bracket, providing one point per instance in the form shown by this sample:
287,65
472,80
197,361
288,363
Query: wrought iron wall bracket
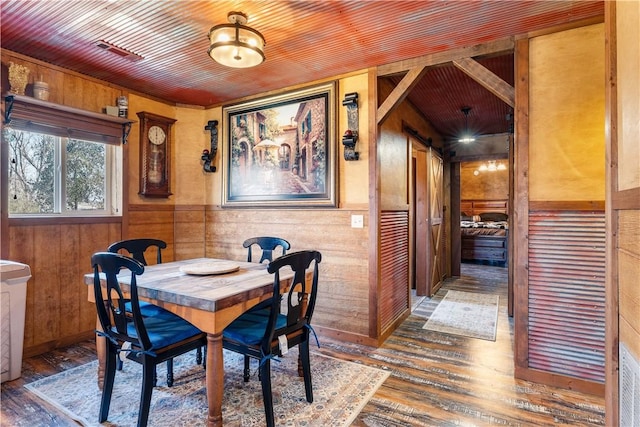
8,106
208,155
126,128
350,136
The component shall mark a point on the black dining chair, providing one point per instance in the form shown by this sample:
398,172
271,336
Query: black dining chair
136,249
267,245
145,340
256,334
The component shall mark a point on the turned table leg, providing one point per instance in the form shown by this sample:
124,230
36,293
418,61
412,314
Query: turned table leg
215,379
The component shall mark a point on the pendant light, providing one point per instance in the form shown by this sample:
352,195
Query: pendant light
235,44
467,137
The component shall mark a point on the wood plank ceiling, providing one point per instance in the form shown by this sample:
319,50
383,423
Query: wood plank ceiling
163,45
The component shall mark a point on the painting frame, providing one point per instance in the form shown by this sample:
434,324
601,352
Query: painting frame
280,150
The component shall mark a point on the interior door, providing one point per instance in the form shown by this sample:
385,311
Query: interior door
435,221
421,209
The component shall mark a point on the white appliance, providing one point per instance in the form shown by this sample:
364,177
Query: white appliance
13,300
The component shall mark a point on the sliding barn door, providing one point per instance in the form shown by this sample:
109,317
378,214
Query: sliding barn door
435,222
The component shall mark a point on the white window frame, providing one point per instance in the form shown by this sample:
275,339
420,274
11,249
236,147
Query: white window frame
112,182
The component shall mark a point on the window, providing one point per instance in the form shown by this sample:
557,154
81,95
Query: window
61,161
56,175
306,124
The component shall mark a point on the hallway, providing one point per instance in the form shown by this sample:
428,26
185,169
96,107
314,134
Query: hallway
444,380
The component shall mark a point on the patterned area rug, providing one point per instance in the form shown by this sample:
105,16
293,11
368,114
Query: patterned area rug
340,391
468,314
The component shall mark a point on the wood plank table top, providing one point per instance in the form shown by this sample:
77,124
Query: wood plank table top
210,302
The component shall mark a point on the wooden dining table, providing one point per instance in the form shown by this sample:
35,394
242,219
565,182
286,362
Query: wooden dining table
209,301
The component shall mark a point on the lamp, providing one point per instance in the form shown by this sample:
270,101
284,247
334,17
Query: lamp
466,138
236,45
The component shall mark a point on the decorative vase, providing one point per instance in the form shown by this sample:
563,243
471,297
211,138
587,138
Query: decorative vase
18,78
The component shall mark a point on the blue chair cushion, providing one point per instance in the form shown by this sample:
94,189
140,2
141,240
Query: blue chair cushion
249,328
165,330
146,309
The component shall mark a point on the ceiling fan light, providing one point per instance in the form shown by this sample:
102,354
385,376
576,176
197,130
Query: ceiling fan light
501,166
236,45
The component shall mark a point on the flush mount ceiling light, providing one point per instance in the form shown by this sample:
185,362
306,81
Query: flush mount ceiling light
236,45
466,138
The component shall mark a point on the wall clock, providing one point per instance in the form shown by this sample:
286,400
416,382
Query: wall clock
155,155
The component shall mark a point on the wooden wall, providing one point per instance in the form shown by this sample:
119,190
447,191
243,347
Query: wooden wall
394,151
476,207
622,21
57,310
628,174
559,208
342,307
58,251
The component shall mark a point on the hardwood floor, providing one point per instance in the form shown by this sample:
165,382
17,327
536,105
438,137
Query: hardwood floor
436,379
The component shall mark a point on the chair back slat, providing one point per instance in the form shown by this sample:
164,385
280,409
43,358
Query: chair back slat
267,244
137,248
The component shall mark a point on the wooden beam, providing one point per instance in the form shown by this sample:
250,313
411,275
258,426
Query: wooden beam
519,222
399,93
487,79
491,48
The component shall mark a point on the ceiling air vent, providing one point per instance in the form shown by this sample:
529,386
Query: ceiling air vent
123,53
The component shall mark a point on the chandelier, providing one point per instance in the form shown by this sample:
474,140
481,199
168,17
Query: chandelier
235,44
490,166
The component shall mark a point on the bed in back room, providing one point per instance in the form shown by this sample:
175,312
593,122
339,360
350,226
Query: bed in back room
484,231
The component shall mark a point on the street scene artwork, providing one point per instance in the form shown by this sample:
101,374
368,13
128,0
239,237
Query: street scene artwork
279,150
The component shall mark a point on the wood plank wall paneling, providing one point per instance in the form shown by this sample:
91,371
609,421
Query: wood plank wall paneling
57,310
566,293
189,232
343,299
476,207
394,266
155,221
628,277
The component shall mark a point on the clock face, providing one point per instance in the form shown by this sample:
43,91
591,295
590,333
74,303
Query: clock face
156,135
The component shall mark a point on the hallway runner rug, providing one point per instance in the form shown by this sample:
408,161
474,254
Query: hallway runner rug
340,390
468,314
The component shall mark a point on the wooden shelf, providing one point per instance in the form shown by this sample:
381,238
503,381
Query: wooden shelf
27,113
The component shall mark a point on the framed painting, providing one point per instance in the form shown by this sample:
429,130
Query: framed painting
280,150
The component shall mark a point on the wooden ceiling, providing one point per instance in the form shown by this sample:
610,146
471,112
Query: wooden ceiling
162,45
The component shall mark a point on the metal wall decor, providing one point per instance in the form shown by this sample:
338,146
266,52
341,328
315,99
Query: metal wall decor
208,155
350,136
